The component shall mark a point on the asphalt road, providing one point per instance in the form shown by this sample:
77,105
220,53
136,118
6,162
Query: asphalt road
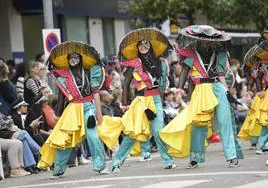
213,173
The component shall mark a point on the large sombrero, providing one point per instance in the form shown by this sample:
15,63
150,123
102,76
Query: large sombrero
258,52
188,37
128,46
58,55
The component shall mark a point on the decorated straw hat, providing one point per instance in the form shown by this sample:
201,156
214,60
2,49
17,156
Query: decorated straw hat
189,36
128,46
59,54
258,52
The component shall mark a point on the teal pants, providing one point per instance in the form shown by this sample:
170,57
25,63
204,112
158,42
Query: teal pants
128,143
146,149
238,147
227,134
95,147
263,139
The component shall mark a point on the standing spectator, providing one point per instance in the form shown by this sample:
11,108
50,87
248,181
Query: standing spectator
11,69
32,84
19,78
106,109
8,92
114,75
174,74
43,75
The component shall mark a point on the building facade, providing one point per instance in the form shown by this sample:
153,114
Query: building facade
100,23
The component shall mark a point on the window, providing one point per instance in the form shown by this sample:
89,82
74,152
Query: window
108,36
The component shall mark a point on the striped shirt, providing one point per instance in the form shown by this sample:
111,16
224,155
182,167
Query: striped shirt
20,86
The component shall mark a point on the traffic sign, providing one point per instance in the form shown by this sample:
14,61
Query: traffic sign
51,37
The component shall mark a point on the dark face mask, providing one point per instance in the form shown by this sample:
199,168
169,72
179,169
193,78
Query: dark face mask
151,63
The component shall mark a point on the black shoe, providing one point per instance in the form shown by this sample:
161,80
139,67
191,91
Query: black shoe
234,163
31,169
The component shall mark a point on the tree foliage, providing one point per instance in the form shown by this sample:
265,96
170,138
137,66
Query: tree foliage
221,12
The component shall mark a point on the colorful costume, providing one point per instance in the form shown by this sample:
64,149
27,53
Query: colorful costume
202,51
148,73
256,123
80,84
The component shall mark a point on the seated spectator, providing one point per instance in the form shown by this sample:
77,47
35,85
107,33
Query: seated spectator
49,114
32,84
45,91
106,100
14,149
35,120
30,148
19,114
241,110
170,106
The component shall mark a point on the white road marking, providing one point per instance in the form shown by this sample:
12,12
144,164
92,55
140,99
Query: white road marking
97,186
144,177
176,184
259,184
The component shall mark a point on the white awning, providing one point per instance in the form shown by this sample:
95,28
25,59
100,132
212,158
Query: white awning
244,35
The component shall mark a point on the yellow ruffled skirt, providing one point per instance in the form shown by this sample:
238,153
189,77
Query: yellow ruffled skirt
256,118
68,132
200,112
134,123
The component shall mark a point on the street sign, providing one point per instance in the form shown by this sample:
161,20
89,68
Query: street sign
51,37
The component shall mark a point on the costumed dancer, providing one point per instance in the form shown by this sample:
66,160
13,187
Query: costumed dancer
79,76
140,53
256,123
203,56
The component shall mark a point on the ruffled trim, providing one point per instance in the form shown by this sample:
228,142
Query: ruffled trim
200,112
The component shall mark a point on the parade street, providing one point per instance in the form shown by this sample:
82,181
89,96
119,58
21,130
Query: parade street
213,173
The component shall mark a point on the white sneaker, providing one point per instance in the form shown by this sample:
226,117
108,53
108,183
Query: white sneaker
116,170
18,173
266,163
104,171
143,159
84,161
259,152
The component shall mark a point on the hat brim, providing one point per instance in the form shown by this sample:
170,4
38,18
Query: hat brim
255,54
128,46
43,98
58,55
22,103
188,39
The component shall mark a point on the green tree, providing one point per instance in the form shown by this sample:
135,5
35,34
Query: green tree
222,12
160,10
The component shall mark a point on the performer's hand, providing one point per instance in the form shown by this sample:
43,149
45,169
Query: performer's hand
99,119
70,97
260,94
